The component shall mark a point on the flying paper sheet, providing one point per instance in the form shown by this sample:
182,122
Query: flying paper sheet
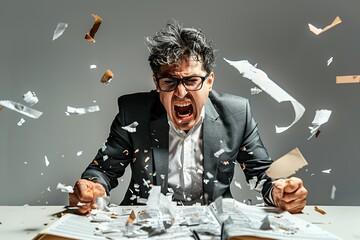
18,107
91,34
348,79
286,165
81,111
317,31
60,28
30,98
261,79
322,116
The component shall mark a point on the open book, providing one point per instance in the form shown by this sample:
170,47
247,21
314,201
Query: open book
222,219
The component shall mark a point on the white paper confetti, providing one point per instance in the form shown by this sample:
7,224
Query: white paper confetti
21,122
333,189
131,127
30,98
63,188
326,171
79,153
321,116
20,108
255,90
48,189
81,111
329,61
219,152
59,30
209,175
105,157
237,184
93,66
46,161
252,182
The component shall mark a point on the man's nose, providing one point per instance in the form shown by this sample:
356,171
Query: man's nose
180,90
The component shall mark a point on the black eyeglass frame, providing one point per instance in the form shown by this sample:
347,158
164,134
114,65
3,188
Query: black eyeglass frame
178,80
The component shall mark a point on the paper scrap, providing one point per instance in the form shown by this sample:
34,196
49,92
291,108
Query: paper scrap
333,190
21,122
319,210
348,79
91,34
131,127
18,107
46,161
219,152
107,77
79,153
30,98
93,66
261,79
64,188
81,111
329,61
326,171
59,30
286,165
317,31
321,116
255,90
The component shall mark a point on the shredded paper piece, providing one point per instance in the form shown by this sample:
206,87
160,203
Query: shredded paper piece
330,61
93,66
286,165
18,107
91,34
30,98
333,190
81,111
60,28
21,122
107,77
46,161
261,79
326,171
317,31
321,116
255,90
131,127
348,79
64,188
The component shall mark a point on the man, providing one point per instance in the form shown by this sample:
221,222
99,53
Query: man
186,137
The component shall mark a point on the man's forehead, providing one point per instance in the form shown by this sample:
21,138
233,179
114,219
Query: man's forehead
182,66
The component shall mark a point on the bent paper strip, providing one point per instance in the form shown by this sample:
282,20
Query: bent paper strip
18,107
317,31
286,165
261,79
347,79
91,34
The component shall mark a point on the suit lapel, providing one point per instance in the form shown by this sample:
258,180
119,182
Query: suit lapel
211,137
159,131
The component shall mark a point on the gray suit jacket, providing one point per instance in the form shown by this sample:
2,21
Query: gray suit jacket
227,119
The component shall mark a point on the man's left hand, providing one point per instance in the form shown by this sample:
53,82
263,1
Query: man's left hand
290,194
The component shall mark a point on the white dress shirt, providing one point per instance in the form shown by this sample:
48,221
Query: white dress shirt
186,162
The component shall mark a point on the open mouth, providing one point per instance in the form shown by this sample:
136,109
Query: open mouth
183,110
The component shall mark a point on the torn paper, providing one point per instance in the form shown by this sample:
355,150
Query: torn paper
261,79
348,79
321,116
81,111
326,171
18,107
30,98
59,30
255,90
317,31
93,66
286,165
91,34
333,190
64,188
21,122
107,77
131,127
46,161
329,61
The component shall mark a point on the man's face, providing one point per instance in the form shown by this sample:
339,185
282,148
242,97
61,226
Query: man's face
182,106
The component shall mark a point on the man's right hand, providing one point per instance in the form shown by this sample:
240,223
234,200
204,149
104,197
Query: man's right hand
84,195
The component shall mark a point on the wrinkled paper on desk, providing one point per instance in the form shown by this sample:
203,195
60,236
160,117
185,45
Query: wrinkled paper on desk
261,79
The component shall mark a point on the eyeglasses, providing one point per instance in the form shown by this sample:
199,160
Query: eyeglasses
191,83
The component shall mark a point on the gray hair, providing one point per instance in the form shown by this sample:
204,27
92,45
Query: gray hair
174,43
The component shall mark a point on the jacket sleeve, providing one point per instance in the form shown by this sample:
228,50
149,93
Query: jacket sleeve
111,160
254,158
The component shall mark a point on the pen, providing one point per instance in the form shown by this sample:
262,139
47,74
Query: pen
195,234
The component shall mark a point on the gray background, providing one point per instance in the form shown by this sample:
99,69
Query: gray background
274,34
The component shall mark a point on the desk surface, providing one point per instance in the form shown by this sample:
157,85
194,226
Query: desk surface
24,222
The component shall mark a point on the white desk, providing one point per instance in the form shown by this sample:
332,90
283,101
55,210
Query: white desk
24,222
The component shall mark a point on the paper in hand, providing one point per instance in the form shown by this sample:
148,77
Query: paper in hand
287,165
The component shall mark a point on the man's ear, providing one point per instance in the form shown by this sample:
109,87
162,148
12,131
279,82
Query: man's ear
156,86
210,80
